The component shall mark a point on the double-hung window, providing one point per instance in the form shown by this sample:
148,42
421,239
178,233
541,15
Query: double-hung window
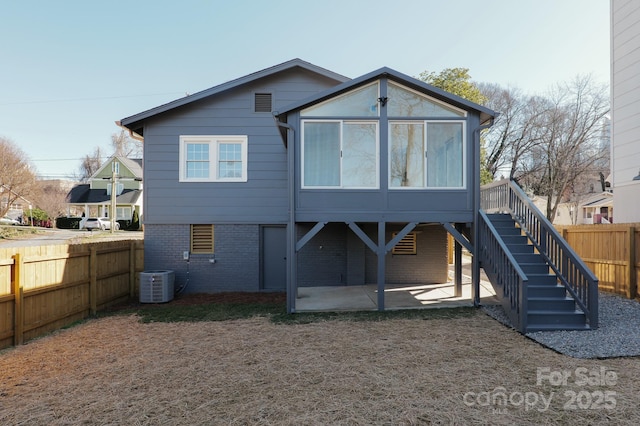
213,158
340,154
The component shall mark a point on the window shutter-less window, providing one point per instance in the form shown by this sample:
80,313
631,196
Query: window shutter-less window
262,102
406,245
201,239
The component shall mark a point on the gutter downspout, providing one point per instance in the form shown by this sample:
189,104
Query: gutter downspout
475,269
292,287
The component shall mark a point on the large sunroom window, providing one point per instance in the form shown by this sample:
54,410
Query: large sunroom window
362,102
404,102
340,154
425,154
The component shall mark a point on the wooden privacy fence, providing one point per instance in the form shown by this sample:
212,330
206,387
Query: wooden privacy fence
611,251
45,288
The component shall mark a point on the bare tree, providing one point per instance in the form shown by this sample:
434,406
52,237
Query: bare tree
570,141
90,164
52,199
125,146
516,130
17,179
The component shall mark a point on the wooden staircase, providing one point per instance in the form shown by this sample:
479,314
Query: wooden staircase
548,305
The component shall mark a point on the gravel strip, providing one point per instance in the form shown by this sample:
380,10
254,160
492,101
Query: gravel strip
617,336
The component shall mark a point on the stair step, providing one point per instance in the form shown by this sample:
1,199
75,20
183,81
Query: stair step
515,239
555,317
534,268
557,291
555,327
499,217
542,279
507,230
529,258
551,304
520,248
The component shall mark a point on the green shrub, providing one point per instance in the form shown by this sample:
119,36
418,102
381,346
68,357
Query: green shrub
68,222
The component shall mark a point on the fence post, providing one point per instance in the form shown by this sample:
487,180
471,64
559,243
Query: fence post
632,292
93,280
132,269
18,309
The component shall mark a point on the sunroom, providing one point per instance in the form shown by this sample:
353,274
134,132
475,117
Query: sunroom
385,159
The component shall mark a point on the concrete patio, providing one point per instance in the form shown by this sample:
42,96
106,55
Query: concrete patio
364,298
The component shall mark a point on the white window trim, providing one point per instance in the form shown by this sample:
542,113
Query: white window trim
214,141
342,122
426,165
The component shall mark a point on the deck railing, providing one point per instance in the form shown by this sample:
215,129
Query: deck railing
506,196
503,270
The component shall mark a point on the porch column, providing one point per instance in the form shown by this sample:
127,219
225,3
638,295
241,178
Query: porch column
381,251
457,262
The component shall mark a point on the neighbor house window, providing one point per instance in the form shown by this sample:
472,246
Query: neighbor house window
119,188
213,158
201,239
340,154
426,154
123,213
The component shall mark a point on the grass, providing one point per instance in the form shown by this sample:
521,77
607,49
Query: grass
276,312
8,231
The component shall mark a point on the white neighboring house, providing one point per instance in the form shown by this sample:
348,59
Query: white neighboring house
625,109
595,209
94,199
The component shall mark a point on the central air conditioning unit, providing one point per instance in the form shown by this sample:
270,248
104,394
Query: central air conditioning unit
156,286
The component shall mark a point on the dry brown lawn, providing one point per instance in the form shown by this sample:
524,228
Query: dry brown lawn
119,371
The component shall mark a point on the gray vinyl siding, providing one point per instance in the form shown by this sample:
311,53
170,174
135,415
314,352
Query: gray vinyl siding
263,198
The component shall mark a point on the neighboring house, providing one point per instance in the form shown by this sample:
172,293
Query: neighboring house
94,198
354,182
625,109
586,202
14,205
593,209
597,209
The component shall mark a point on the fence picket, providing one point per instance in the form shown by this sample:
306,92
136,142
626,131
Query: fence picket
48,287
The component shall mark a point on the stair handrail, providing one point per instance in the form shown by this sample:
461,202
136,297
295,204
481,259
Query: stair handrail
575,276
504,272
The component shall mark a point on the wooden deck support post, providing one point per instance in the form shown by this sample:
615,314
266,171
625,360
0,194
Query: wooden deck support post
381,251
457,292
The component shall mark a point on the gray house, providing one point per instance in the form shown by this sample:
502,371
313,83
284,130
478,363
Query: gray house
297,176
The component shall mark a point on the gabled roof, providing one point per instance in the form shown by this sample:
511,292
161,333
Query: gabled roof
604,199
485,113
81,194
135,122
133,164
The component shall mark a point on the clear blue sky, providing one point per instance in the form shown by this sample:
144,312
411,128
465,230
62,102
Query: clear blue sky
70,68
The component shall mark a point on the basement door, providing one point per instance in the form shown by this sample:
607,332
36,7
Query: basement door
274,258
